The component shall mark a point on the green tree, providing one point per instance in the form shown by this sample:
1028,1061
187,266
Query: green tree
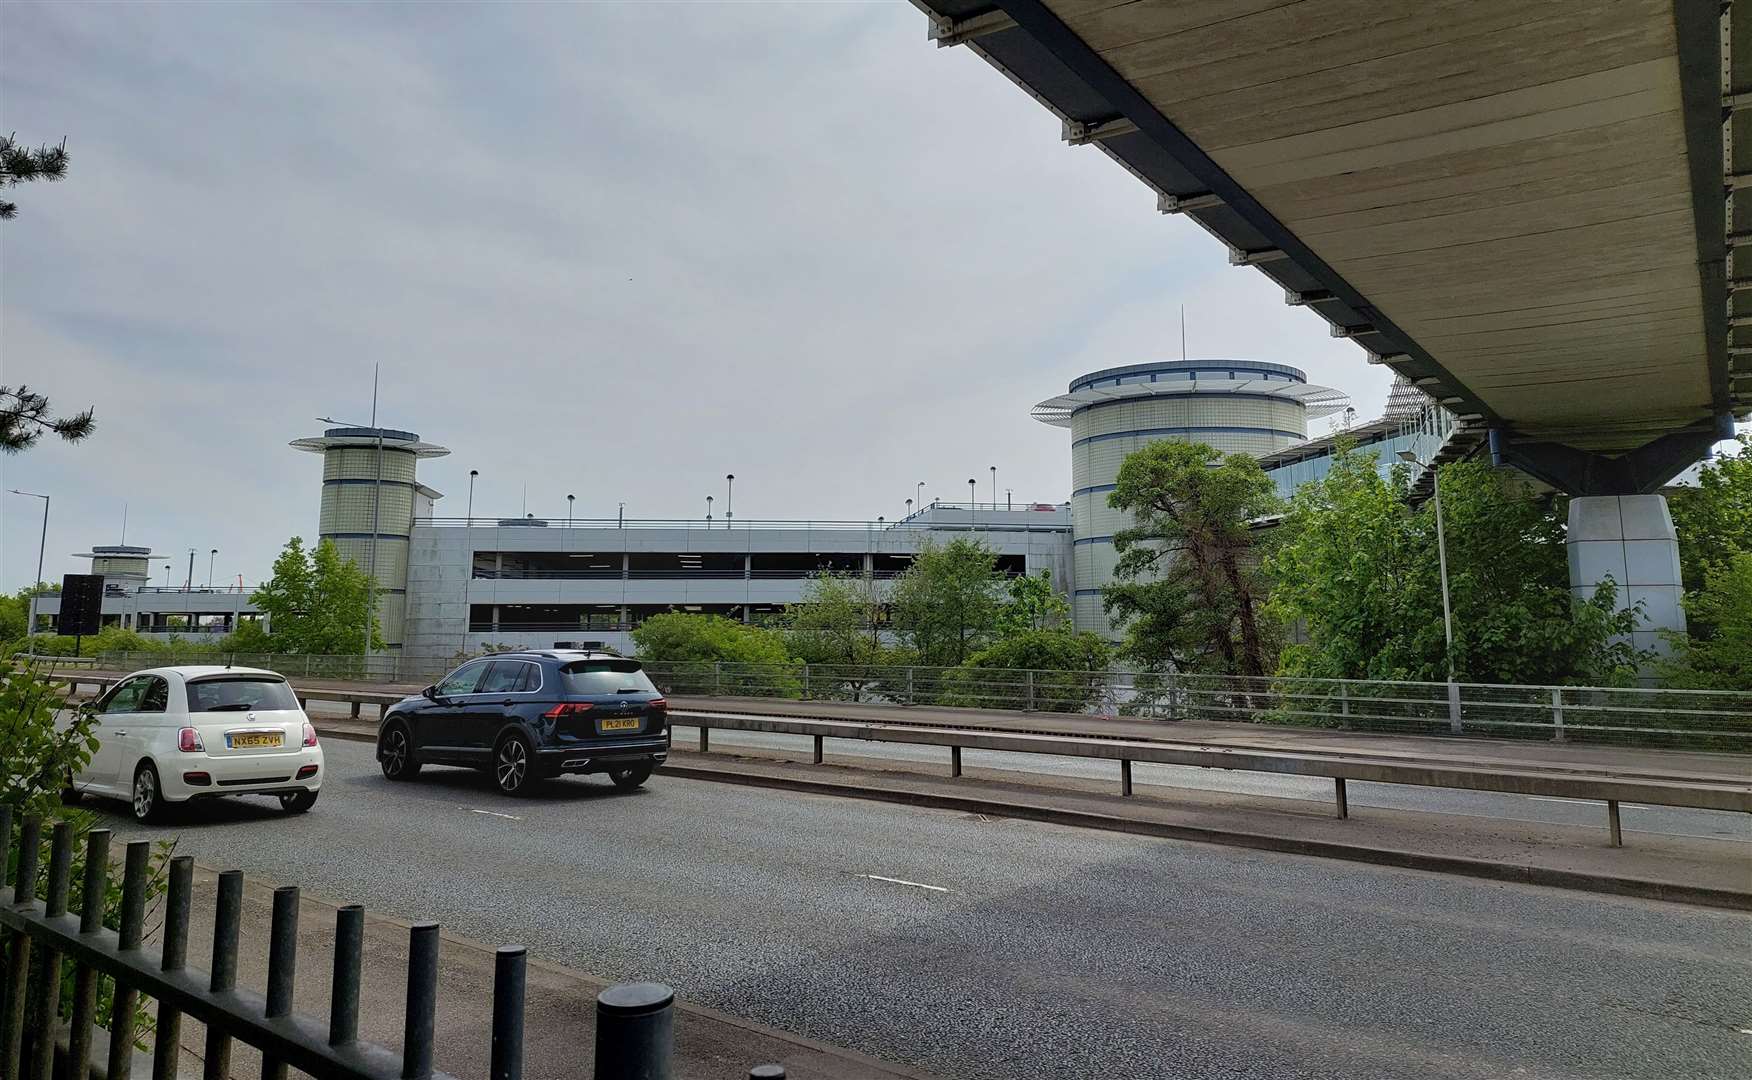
1187,583
1356,566
1714,518
709,654
839,620
20,164
25,418
316,601
1717,652
1069,671
948,603
15,614
1034,605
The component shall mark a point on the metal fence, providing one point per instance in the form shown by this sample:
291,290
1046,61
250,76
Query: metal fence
1696,719
634,1022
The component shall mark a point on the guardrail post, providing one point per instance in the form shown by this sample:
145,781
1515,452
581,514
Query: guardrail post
420,1022
1612,823
95,885
1454,724
635,1032
354,714
1557,733
121,1026
705,739
1125,776
167,1039
1342,796
227,915
509,965
282,968
955,761
819,739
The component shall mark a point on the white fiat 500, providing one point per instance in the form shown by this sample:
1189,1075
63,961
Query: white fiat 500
168,735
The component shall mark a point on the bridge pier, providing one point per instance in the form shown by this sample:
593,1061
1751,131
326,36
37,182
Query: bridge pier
1629,538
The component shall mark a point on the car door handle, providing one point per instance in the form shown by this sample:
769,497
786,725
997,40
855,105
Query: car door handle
118,733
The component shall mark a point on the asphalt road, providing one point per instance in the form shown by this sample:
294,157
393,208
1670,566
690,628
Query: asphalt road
1035,950
1711,824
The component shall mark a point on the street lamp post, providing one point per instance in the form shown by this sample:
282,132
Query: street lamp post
211,555
994,487
189,582
708,511
919,491
970,494
909,508
1447,610
472,473
42,544
729,495
569,499
620,516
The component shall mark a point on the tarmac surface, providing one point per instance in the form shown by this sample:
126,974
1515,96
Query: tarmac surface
977,947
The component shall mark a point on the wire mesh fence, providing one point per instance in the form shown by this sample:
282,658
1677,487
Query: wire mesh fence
1693,719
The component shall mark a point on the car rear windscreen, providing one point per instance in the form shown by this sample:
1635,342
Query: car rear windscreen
606,677
240,693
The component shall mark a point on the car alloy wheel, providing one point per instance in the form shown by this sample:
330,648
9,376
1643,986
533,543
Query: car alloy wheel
395,755
511,765
145,794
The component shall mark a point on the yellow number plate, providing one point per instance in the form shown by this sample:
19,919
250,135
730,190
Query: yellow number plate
630,723
266,738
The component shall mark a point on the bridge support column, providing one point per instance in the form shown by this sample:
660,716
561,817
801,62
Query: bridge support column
1629,538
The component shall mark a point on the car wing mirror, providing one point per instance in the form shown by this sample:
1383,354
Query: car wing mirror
430,693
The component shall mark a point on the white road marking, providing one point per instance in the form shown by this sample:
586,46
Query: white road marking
1553,798
901,881
490,813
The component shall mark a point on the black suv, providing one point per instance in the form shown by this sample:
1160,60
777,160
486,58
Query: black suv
526,716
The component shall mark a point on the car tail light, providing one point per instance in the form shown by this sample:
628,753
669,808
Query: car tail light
309,734
188,740
657,703
569,708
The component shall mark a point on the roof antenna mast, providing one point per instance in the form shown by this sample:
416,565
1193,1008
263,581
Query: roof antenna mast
1183,331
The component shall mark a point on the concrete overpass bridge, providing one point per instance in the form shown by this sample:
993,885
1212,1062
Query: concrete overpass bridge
1531,211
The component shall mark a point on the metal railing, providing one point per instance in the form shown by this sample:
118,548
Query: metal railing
634,1022
1696,719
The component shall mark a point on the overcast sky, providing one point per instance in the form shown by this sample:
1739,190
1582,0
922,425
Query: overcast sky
608,250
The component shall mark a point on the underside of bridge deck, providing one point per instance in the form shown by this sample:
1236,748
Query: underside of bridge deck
1526,209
